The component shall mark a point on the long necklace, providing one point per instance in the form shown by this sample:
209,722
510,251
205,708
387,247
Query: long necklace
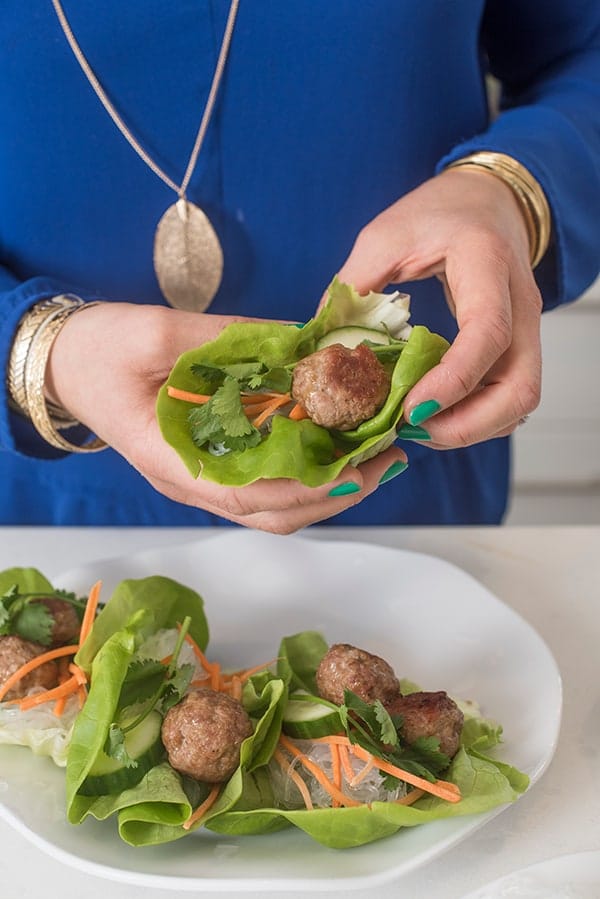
188,259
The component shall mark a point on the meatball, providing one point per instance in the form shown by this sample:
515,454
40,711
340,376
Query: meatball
203,734
340,388
345,667
429,715
66,624
15,652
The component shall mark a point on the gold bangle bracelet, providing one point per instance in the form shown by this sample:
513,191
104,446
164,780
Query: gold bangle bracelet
526,189
27,369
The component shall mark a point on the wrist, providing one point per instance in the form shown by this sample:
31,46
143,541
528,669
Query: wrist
526,190
27,368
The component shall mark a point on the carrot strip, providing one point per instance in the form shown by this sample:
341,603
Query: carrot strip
81,695
345,760
199,654
203,807
293,775
90,612
340,739
410,797
440,788
187,395
247,674
236,688
59,706
336,770
278,401
78,673
360,776
317,773
298,413
69,686
200,682
215,676
34,663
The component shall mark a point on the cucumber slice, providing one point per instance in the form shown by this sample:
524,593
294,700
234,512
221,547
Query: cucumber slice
312,717
351,336
143,743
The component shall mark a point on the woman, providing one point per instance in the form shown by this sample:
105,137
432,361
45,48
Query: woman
326,150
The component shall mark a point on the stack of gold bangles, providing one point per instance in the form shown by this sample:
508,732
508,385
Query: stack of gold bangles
27,368
527,191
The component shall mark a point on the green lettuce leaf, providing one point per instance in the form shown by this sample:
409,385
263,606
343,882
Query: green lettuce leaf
164,602
292,449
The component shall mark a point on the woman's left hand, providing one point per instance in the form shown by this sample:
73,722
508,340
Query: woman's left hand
466,228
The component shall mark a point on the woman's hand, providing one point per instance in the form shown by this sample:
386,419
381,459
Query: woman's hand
467,229
106,367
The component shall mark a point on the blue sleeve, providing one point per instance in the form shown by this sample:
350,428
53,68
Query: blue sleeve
16,432
547,59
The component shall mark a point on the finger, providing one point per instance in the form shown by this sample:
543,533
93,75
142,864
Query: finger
512,386
390,463
479,283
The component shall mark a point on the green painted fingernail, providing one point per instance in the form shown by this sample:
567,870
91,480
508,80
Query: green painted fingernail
299,324
423,411
344,489
410,432
394,470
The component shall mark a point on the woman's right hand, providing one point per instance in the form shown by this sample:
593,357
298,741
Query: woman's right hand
106,367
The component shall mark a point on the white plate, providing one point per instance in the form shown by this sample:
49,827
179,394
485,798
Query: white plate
432,621
575,876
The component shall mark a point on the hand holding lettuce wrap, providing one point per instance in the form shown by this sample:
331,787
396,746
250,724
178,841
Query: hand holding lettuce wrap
235,412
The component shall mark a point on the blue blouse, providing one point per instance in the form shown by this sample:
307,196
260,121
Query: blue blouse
328,112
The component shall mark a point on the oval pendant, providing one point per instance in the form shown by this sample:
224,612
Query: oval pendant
188,259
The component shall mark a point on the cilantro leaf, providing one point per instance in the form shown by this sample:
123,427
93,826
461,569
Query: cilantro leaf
222,420
34,621
143,679
114,747
176,686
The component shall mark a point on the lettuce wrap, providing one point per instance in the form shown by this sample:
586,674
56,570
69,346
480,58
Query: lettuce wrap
124,670
262,356
484,781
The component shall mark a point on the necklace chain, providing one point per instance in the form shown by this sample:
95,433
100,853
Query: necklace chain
180,189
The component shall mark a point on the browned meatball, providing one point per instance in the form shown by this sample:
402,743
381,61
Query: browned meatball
429,715
203,734
65,627
340,388
15,652
345,667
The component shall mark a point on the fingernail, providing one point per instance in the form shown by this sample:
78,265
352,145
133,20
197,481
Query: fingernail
344,489
423,411
394,470
410,432
299,324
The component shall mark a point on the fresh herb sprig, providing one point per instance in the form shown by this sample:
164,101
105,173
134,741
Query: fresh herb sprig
371,726
23,615
156,686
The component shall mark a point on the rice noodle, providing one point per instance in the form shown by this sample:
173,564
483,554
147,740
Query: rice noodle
368,783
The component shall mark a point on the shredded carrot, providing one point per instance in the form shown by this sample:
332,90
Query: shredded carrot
215,676
293,775
247,674
78,673
33,664
410,797
336,770
298,413
81,695
441,788
317,773
199,654
277,401
236,688
203,807
69,686
360,776
186,395
90,612
59,706
345,760
200,682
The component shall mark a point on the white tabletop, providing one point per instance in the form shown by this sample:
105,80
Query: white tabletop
551,576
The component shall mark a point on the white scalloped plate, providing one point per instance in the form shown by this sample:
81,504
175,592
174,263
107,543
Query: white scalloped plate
574,876
432,621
